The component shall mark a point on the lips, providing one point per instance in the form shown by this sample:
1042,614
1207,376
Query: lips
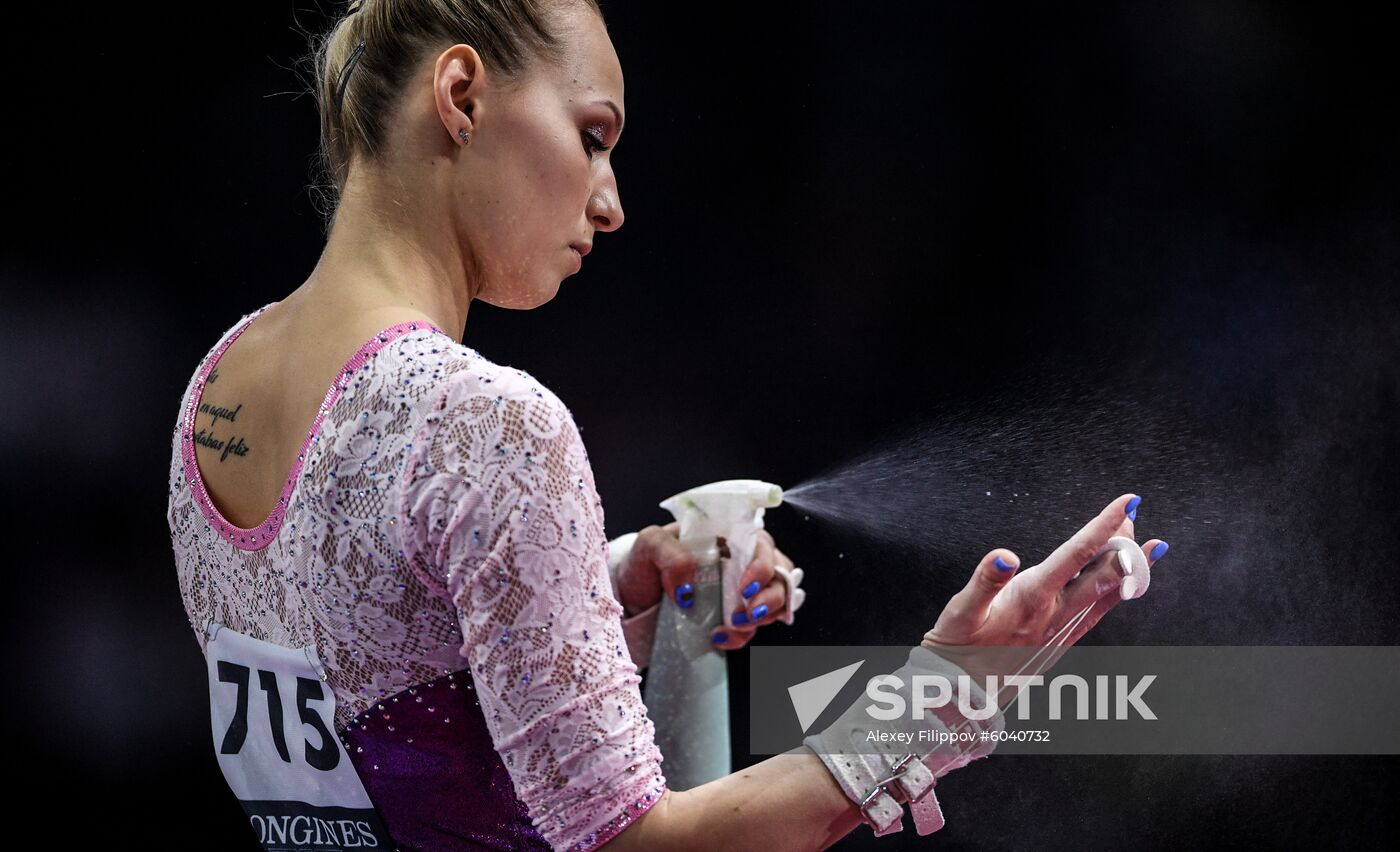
582,248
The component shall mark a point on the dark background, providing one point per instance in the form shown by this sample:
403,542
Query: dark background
1165,231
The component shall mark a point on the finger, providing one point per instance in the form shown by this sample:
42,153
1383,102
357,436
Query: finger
759,572
967,609
1069,558
1099,609
731,638
1154,550
1103,576
1125,530
661,546
796,594
765,599
763,607
790,577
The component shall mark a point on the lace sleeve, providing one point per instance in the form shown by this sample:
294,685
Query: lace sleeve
503,517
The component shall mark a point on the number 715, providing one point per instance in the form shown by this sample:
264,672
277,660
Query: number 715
324,756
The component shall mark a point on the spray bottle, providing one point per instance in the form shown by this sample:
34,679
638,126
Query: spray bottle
687,693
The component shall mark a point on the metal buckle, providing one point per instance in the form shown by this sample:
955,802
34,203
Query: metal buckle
897,771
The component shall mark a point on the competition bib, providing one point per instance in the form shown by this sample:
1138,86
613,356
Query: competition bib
273,720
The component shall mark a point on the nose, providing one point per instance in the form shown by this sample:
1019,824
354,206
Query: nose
605,208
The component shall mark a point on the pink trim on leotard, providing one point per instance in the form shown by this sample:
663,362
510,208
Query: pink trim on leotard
258,537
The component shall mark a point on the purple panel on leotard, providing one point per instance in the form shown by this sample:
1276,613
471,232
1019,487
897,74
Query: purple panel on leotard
427,761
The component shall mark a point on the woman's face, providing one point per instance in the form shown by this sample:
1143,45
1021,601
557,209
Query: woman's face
534,181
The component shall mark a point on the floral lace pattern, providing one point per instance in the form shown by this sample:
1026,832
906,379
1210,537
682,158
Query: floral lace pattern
443,516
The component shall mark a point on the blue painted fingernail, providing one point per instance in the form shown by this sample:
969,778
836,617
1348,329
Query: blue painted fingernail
740,618
685,595
751,589
760,611
1159,551
1132,508
720,638
1004,565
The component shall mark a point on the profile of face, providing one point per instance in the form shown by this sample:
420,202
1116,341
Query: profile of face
534,184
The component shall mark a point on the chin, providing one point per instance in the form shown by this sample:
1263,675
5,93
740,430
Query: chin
525,301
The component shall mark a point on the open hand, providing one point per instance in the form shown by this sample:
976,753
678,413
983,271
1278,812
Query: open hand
1000,607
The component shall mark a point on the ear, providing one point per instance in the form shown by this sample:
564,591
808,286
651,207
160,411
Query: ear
459,81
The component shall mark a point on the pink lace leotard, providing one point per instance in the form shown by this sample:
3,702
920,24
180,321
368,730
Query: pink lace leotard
440,542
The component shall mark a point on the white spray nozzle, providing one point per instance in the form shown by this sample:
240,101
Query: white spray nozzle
730,491
732,509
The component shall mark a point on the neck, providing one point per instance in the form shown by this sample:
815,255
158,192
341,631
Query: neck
387,252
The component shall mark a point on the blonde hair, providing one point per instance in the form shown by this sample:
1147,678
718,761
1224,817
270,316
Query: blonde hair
510,35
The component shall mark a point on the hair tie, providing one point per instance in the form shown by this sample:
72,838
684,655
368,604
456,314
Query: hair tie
345,73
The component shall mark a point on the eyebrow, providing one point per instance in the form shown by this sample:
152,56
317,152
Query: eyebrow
616,113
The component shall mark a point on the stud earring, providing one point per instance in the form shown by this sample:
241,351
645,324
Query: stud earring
466,137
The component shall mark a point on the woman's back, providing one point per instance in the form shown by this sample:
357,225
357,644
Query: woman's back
436,542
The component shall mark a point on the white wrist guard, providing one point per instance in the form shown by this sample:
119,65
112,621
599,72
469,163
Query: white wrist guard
882,763
618,551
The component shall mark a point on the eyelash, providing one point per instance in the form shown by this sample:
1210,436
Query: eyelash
594,144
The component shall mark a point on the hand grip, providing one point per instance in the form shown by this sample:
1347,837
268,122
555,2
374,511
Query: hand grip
1137,573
